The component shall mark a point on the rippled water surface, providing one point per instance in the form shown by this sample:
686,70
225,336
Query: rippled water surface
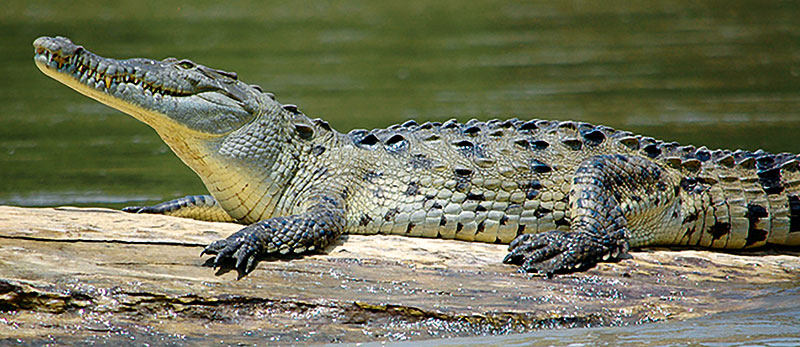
715,73
776,325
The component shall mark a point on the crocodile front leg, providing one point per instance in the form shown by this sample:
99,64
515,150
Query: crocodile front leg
301,233
604,190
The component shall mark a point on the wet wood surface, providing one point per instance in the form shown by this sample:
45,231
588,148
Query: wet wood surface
78,275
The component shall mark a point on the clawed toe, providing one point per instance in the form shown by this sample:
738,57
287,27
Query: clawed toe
235,248
214,248
559,251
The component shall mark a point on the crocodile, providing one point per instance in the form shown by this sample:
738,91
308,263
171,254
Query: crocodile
564,195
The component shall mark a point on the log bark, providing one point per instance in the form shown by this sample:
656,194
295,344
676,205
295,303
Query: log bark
77,275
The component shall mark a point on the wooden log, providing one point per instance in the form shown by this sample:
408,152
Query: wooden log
78,275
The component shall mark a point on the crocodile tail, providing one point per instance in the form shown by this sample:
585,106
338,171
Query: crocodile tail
733,199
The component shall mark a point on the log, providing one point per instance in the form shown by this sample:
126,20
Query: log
80,275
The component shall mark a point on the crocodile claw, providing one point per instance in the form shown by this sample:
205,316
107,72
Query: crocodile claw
237,247
559,251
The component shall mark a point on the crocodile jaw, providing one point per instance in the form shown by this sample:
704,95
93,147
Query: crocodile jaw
168,95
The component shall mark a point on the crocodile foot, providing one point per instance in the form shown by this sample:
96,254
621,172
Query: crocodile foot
240,246
559,251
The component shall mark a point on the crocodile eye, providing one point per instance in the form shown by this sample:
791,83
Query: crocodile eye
186,64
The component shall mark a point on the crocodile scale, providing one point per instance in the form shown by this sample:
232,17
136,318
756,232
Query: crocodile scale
564,195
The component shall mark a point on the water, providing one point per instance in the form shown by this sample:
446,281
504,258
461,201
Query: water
776,326
716,73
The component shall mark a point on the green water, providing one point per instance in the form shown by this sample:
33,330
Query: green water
725,74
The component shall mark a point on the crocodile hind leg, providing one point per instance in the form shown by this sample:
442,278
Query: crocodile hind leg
313,230
604,190
200,207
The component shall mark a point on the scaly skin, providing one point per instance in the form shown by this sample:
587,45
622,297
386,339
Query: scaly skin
565,195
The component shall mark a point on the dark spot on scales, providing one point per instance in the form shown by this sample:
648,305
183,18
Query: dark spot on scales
533,184
390,214
497,133
593,137
567,125
464,172
652,150
410,227
480,208
541,212
450,124
413,188
365,220
371,176
746,163
409,123
420,161
531,189
304,130
770,180
690,218
481,228
319,172
539,144
322,124
396,143
464,146
562,222
794,214
754,213
539,167
718,230
572,143
504,220
765,161
459,226
688,183
291,108
528,126
442,221
473,130
369,140
318,149
689,232
703,155
478,197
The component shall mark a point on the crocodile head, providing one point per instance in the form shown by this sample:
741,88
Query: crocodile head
238,139
170,95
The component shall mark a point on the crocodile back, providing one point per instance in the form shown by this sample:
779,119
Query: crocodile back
491,181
